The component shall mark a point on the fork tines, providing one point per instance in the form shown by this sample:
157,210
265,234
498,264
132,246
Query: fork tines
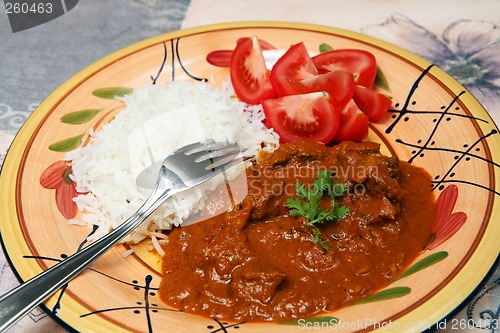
217,154
210,146
228,162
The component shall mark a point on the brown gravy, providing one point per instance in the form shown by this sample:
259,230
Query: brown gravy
258,263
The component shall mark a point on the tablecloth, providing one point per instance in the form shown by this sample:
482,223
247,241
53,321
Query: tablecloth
462,37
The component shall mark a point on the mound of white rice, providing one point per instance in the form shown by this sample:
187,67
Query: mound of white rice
157,120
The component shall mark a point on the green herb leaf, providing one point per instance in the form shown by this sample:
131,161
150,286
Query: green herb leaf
317,239
325,47
324,181
111,92
80,117
67,144
308,201
296,206
301,191
341,212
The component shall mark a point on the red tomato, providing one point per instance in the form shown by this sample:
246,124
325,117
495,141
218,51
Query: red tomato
249,75
263,44
339,84
294,66
373,104
353,124
361,64
222,58
312,117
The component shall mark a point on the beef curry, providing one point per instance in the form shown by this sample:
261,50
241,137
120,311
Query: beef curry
257,262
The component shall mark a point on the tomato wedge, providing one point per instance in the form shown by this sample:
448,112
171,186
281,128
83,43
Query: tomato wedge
294,66
222,58
263,44
372,103
312,117
360,63
249,75
353,124
339,84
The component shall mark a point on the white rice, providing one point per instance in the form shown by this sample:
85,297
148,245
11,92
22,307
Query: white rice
165,118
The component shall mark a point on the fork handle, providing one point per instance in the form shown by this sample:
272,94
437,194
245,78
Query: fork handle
21,300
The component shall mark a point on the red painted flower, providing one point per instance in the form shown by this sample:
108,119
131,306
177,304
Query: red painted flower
56,177
447,222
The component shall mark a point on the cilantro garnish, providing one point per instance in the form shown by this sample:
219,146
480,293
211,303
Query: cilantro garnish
307,203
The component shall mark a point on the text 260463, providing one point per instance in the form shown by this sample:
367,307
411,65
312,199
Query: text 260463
28,8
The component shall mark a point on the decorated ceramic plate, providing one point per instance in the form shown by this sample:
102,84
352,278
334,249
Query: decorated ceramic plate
433,123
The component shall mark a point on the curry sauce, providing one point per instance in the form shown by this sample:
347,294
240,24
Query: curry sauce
257,262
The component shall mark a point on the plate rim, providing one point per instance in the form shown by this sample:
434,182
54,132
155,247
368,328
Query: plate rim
24,137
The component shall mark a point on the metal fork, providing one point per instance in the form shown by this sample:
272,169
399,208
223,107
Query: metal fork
181,170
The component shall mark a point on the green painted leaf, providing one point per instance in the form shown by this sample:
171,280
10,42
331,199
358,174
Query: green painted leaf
111,92
67,144
381,80
424,263
386,294
80,117
325,48
321,319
